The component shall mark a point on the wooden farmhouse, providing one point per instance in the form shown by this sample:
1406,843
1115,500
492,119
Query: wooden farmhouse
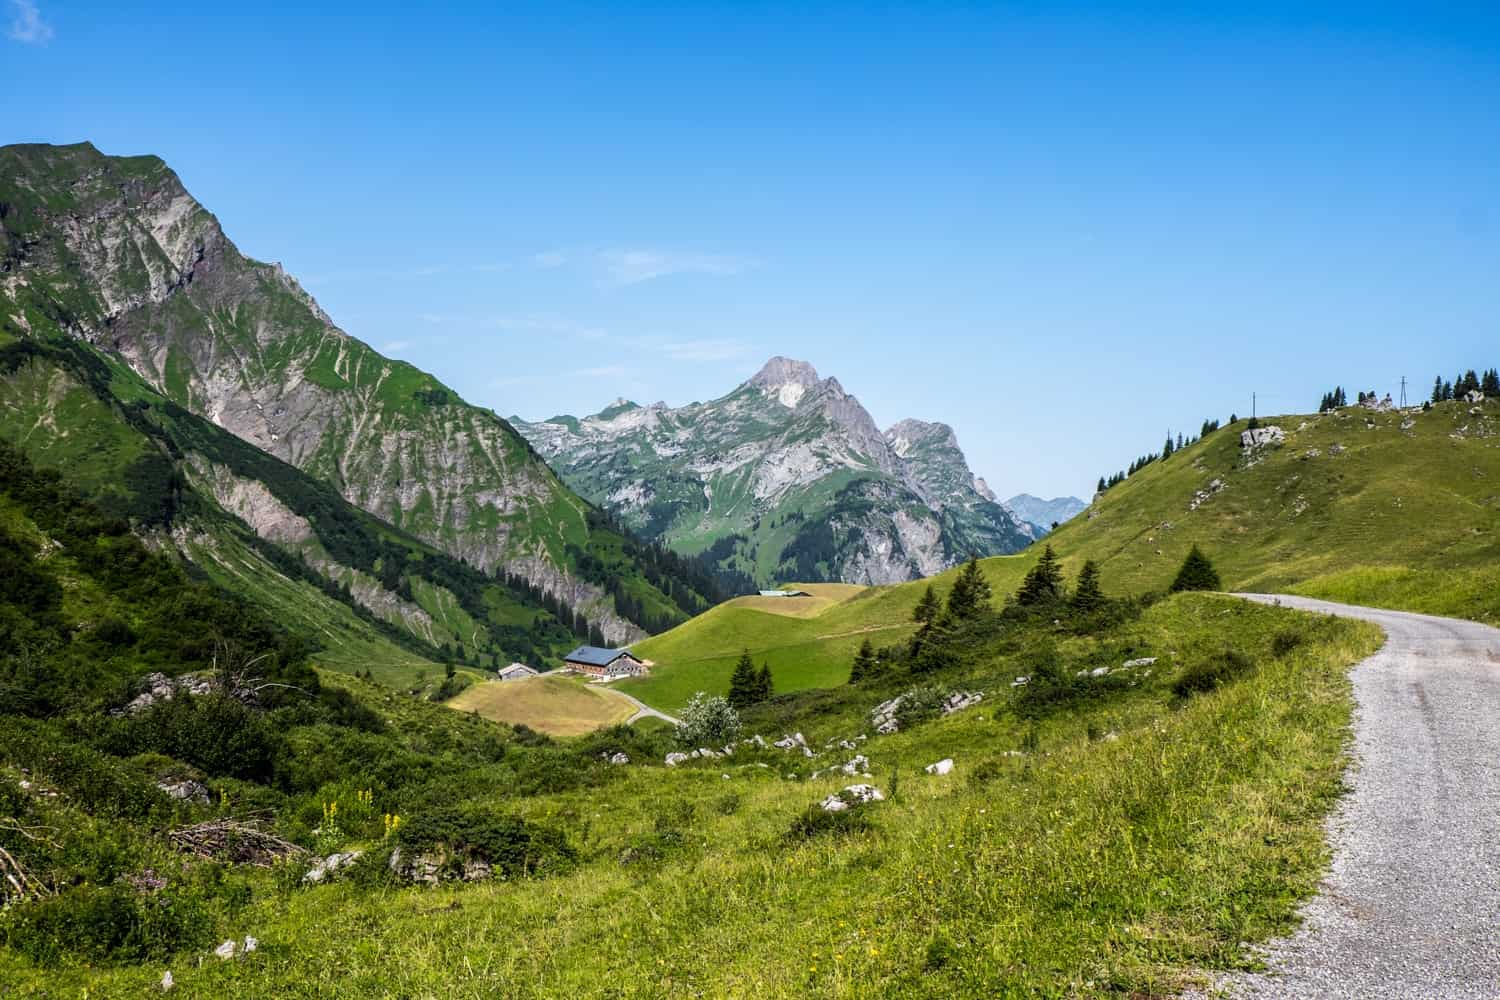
607,663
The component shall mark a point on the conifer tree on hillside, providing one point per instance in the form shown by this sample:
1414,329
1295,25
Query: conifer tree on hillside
1087,595
744,683
1101,487
971,593
1437,390
1197,573
764,686
864,663
1043,583
1168,448
1490,385
927,608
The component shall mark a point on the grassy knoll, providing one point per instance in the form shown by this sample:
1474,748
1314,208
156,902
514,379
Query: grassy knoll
804,652
557,705
1131,839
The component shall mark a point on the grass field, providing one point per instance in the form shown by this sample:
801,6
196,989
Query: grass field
1128,843
553,704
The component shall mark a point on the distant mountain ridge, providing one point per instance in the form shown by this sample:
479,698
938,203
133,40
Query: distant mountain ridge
786,477
1043,514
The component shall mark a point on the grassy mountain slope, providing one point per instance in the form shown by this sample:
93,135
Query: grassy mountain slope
1382,508
371,596
113,250
1109,847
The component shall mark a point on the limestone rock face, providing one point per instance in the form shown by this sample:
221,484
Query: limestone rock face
1261,437
792,474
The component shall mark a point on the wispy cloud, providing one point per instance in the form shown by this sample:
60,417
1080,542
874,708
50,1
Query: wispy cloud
704,350
631,267
26,24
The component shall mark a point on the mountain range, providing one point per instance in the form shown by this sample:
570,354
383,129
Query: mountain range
207,398
1043,515
787,477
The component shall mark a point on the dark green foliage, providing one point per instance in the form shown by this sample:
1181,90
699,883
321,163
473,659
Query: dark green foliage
815,822
864,662
928,607
107,924
1213,672
1285,641
1197,573
765,686
513,846
970,595
1043,584
1333,400
1087,595
215,733
744,685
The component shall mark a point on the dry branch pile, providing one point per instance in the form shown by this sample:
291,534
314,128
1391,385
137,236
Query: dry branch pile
234,841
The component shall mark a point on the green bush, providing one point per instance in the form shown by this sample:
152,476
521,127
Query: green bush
1214,672
108,924
815,821
511,845
1283,642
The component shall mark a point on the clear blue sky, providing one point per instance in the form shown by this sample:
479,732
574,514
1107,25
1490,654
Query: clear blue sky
1062,229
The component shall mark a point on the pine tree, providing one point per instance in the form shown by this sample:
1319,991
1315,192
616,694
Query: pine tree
1043,583
1197,573
1087,595
1491,384
1437,390
1166,450
1101,488
864,663
596,636
971,593
1448,394
927,608
764,686
744,683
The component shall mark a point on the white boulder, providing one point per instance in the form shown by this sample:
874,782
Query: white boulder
941,767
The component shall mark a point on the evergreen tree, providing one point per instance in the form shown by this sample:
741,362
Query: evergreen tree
927,608
1087,595
449,670
1167,449
1491,384
1197,573
744,683
1101,487
596,636
1043,583
1437,390
971,594
1448,395
864,663
1471,381
764,686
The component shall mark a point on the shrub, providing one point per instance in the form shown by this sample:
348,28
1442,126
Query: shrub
1212,673
1283,642
110,924
815,821
512,846
708,720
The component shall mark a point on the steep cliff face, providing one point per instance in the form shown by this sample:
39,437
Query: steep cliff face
786,477
113,250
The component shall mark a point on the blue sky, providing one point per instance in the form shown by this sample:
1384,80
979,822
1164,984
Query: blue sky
1063,229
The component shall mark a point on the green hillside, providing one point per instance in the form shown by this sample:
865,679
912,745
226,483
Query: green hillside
1390,509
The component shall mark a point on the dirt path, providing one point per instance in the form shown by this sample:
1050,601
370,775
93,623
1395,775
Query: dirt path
1411,906
643,710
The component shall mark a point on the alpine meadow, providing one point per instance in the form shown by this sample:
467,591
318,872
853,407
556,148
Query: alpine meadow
721,668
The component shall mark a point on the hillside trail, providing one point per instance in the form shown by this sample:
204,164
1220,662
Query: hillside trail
643,710
1411,905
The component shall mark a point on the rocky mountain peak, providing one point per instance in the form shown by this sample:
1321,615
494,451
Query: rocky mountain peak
907,435
785,378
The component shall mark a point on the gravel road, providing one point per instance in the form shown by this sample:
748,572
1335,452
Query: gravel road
1411,907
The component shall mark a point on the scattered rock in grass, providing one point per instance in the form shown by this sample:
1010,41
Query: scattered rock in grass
619,758
477,870
185,791
960,700
1335,449
854,795
676,757
1262,437
329,865
1099,672
941,767
1020,682
250,944
225,951
1144,661
859,765
167,982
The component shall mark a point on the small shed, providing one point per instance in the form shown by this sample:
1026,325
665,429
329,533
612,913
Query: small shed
597,661
516,672
784,593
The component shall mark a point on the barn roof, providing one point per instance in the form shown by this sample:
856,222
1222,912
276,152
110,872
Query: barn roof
596,656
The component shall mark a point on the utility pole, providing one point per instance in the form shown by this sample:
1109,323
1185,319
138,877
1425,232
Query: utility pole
1254,414
1403,392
